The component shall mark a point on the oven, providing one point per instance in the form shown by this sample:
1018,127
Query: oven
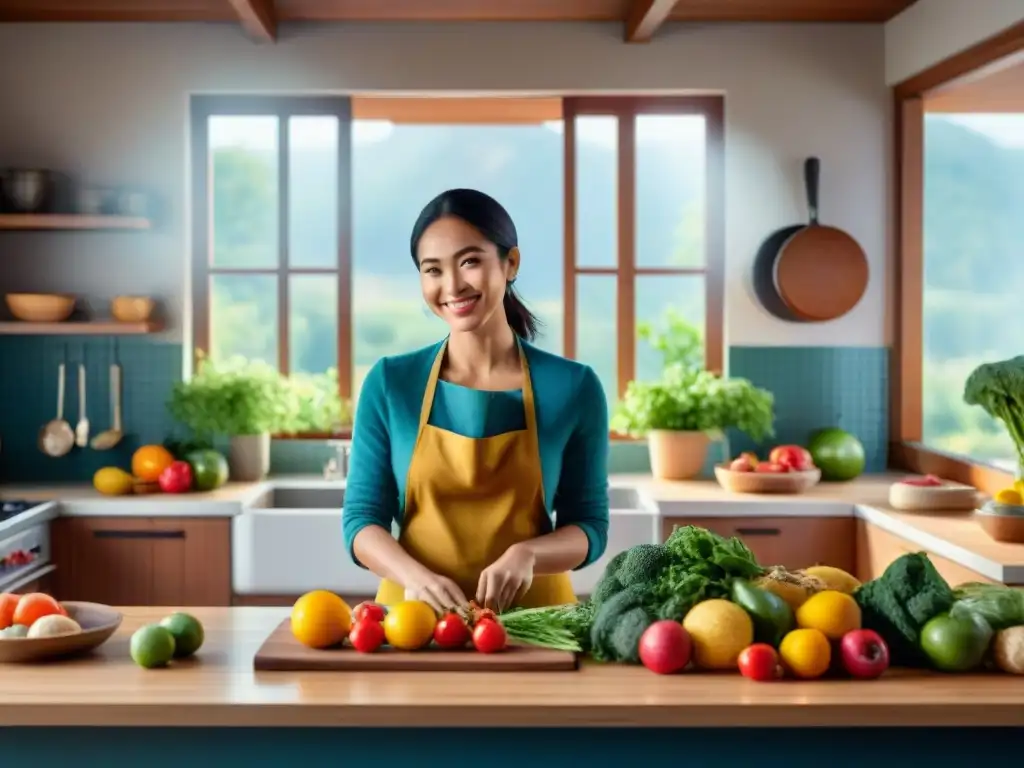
25,553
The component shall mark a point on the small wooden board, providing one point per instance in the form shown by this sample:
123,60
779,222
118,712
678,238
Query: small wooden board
281,652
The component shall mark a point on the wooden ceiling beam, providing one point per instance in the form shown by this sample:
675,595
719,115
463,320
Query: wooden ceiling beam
644,17
258,17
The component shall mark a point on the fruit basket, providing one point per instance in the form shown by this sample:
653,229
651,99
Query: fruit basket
95,625
752,481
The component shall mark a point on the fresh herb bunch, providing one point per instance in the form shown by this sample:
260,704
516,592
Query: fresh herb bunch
689,400
999,389
249,397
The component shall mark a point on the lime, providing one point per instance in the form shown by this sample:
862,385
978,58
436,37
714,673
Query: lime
152,646
188,633
956,643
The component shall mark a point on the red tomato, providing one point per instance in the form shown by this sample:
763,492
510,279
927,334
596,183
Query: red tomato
770,468
665,647
177,478
8,602
793,457
489,636
759,662
451,631
367,635
368,610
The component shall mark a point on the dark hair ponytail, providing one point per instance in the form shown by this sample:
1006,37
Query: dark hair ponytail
485,214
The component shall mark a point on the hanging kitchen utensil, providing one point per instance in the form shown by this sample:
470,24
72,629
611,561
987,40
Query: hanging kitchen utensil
56,437
108,438
810,273
82,427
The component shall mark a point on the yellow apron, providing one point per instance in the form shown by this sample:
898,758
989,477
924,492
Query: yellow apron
467,500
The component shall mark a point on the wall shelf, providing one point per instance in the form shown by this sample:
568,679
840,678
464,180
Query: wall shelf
80,328
70,221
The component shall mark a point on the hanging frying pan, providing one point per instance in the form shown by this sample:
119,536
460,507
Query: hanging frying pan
812,272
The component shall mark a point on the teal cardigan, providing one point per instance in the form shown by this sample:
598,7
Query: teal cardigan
572,426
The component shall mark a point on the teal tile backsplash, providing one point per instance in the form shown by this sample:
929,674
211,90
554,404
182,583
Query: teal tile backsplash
28,399
813,387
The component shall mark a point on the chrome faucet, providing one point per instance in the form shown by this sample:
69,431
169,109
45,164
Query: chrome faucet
336,467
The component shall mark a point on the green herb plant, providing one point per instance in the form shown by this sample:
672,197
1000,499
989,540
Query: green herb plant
687,398
249,397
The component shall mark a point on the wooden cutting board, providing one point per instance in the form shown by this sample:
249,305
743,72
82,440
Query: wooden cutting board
281,652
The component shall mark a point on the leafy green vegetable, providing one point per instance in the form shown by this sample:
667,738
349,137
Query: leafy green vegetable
900,602
561,627
999,389
999,605
653,581
684,399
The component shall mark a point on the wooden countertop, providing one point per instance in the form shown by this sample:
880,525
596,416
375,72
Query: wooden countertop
220,688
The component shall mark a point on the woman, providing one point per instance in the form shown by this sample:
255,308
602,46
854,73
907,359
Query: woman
489,454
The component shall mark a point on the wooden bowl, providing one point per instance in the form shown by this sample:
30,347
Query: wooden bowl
950,496
131,309
98,623
1002,522
40,307
762,482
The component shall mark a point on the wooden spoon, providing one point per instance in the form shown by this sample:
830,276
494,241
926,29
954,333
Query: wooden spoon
108,438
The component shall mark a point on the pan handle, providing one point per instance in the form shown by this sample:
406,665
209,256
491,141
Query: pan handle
812,171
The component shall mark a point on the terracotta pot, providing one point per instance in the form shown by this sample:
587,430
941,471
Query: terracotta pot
249,457
677,455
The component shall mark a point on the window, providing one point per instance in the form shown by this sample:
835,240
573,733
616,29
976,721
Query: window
303,209
960,259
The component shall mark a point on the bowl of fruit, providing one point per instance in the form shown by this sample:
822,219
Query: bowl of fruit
788,469
36,627
920,493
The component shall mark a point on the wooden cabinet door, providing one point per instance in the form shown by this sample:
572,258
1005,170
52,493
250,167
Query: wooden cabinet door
143,561
792,542
877,548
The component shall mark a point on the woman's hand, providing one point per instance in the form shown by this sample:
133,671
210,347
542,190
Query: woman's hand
439,592
507,579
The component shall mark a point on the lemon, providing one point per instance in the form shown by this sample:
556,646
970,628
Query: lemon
720,630
409,625
1009,496
834,578
806,653
830,612
112,481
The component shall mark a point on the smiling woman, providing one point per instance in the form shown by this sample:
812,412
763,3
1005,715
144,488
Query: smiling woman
488,453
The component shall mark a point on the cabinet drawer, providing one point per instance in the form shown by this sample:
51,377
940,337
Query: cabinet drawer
877,548
792,542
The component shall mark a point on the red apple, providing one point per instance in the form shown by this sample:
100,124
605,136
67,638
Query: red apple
865,654
770,468
792,457
665,647
742,464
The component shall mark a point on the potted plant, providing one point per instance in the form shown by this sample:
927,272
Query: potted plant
246,401
687,407
683,411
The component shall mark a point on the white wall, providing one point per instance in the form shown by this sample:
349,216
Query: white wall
932,30
108,103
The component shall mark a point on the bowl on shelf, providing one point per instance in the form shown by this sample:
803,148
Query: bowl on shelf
40,307
766,482
1002,522
98,623
131,309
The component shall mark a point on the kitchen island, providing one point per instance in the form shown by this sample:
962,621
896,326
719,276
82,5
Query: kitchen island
601,714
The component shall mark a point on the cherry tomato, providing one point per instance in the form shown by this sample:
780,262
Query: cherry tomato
489,636
367,635
451,631
368,610
759,662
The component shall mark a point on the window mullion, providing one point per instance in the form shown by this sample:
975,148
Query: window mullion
626,305
283,333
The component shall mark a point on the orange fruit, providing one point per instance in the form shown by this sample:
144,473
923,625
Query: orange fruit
34,606
321,619
409,625
149,461
806,653
8,602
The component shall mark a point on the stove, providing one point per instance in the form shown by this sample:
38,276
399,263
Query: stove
9,509
24,542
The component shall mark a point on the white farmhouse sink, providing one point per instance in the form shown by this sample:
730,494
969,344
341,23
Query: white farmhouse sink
288,541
